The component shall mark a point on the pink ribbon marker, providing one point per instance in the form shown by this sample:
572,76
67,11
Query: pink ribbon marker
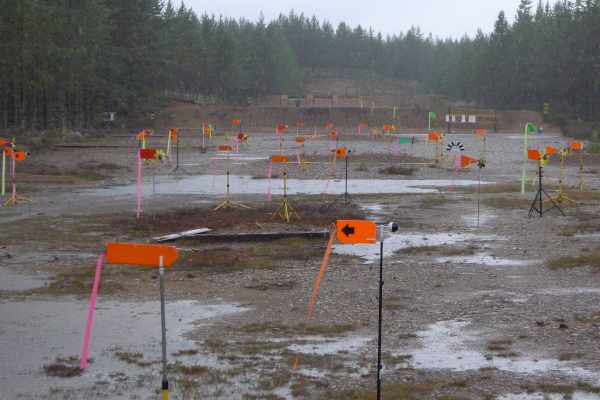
237,144
88,327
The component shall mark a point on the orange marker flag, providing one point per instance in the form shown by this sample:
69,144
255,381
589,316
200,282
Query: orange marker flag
466,161
279,159
432,137
4,142
236,122
551,150
534,154
334,134
299,140
225,148
8,151
140,254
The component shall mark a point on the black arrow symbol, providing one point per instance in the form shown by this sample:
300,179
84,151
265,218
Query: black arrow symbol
348,230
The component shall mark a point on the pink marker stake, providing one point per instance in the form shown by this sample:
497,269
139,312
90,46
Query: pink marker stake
14,179
269,174
237,145
88,327
139,186
456,168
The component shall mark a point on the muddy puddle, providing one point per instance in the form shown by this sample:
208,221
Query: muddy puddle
125,344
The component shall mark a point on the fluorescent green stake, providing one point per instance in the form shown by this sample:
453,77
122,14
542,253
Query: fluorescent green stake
529,127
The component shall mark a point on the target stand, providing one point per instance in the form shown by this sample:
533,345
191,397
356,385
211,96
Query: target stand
560,197
345,197
285,210
15,157
228,203
538,201
174,135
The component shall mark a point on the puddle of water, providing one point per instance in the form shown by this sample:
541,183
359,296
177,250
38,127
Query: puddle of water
34,333
444,346
569,291
485,259
400,241
322,346
549,396
203,184
12,281
471,219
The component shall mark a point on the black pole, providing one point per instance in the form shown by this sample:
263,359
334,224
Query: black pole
380,320
346,190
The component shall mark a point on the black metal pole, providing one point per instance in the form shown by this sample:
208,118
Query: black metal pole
165,380
380,320
346,190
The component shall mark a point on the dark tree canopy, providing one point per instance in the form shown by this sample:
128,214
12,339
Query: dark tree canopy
64,62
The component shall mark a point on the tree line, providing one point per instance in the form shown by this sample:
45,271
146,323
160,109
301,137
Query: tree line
64,62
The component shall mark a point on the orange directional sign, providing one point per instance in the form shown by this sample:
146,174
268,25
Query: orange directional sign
340,152
147,154
173,131
224,148
280,128
140,254
334,134
8,151
432,137
329,125
279,158
299,140
236,122
480,132
207,131
173,137
20,155
356,231
576,144
4,142
362,125
388,127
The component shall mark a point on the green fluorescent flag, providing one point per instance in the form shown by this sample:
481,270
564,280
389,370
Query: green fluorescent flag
211,127
531,128
403,140
431,115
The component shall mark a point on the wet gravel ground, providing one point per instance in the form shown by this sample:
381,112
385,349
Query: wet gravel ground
469,311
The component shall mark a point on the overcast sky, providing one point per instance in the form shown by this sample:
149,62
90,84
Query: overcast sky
442,18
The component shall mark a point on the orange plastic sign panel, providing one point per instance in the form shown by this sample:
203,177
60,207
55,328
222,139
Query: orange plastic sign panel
466,161
551,150
432,137
334,134
480,132
140,254
236,122
340,152
4,142
173,137
278,158
534,154
8,151
388,127
362,125
173,131
576,144
356,231
142,136
224,148
20,155
147,154
299,140
329,125
280,128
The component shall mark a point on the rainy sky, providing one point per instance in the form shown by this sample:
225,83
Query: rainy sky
443,18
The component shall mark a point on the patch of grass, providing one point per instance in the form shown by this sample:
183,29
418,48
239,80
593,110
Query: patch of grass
329,330
586,259
492,188
419,250
569,356
189,369
432,202
132,358
362,167
62,370
78,280
272,286
389,391
396,170
275,380
499,345
186,352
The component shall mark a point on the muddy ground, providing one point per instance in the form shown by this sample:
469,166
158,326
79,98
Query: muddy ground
488,305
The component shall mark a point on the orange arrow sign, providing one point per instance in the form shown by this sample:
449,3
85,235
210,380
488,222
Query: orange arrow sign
576,144
140,254
279,159
340,152
356,231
